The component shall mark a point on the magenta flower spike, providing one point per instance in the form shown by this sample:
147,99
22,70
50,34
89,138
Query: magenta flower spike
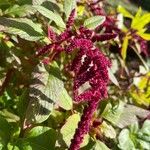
51,34
89,66
71,18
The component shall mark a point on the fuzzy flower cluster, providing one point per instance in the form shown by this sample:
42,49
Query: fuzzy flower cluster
89,66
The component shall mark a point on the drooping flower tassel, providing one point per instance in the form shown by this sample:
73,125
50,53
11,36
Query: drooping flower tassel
84,125
93,69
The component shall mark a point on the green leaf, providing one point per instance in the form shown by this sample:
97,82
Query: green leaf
44,93
135,138
142,95
9,116
52,5
4,4
20,11
108,130
23,104
22,27
144,145
85,140
38,2
100,146
124,47
130,114
146,128
65,101
112,114
112,77
125,142
69,5
125,13
41,138
94,22
90,145
144,135
5,131
68,129
62,98
41,95
56,118
50,15
134,128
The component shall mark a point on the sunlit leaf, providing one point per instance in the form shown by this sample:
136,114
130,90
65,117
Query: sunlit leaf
69,5
124,47
94,21
139,13
112,114
125,142
141,93
134,138
107,130
140,22
38,2
146,128
20,11
100,146
123,11
69,128
145,36
23,27
80,10
44,93
136,19
9,116
65,101
131,114
113,78
50,15
41,102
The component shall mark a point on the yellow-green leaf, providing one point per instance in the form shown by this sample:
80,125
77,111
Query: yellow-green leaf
124,47
136,19
125,13
139,23
145,36
141,93
80,10
139,12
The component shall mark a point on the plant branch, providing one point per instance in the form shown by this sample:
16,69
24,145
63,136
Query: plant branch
6,81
